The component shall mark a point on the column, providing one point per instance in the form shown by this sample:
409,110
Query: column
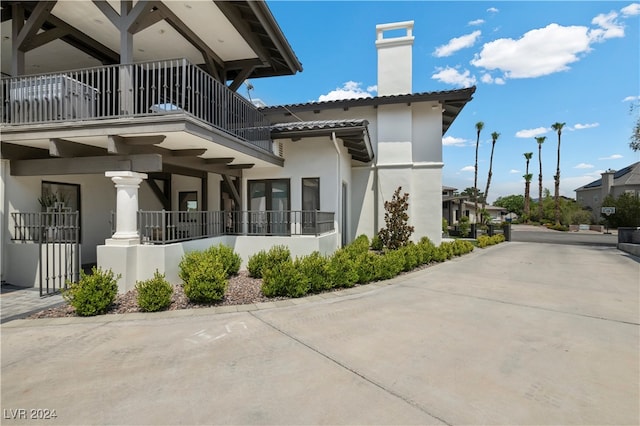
127,185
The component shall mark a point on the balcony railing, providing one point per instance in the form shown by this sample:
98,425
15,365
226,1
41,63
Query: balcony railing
132,90
164,227
49,227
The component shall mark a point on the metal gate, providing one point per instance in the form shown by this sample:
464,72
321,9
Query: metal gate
57,233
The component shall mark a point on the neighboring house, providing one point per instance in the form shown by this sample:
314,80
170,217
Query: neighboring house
454,206
192,162
614,183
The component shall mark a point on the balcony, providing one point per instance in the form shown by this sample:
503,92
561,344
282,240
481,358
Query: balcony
130,91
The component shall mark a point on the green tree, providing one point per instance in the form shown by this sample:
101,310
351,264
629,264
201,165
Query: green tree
634,142
479,126
397,232
512,203
558,128
527,186
471,193
540,140
627,210
494,139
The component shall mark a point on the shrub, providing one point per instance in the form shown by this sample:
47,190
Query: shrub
445,227
263,260
314,267
464,226
484,240
230,260
426,250
410,255
365,267
376,243
285,280
390,264
206,280
461,247
358,246
396,233
154,294
342,269
93,293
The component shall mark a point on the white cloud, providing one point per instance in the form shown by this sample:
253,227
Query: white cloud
468,169
453,141
372,89
531,133
631,10
492,10
349,90
514,171
583,166
477,22
457,43
585,126
612,157
538,52
631,99
487,78
453,76
609,27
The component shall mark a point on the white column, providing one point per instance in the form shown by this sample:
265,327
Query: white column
127,185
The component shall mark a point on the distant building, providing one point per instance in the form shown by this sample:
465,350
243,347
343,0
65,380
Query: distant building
455,205
612,182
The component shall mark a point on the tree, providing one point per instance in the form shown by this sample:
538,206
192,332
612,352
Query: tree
471,193
634,143
540,140
527,185
479,126
397,232
512,203
558,128
627,210
494,138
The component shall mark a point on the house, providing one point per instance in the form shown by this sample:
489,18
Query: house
136,158
454,206
612,182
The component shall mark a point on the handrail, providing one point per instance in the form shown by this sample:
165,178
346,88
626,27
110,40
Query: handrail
132,90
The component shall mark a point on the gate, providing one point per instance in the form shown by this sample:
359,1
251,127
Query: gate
57,233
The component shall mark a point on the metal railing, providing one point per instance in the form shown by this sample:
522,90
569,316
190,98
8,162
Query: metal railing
141,89
44,227
163,227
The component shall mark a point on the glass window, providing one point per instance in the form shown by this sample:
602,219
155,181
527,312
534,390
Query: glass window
188,201
310,194
269,202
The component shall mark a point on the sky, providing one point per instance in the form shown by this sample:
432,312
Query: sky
533,64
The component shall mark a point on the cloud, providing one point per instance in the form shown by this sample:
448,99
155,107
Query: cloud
372,89
612,157
531,133
487,78
349,90
453,141
631,10
537,53
492,10
457,43
631,99
609,27
585,126
453,76
514,171
583,166
476,22
468,169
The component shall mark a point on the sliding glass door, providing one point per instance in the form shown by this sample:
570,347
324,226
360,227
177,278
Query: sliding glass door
269,202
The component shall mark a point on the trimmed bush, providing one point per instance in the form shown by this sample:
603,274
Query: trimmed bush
230,260
376,243
342,269
93,293
358,246
285,280
206,280
426,251
154,294
485,241
390,264
314,267
264,260
411,256
365,265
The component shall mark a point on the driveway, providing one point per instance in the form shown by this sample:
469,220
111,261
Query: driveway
513,334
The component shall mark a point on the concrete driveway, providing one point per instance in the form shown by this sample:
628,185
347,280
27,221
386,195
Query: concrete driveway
514,334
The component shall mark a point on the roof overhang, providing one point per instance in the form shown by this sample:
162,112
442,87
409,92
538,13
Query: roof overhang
353,133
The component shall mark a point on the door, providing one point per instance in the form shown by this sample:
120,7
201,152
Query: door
269,207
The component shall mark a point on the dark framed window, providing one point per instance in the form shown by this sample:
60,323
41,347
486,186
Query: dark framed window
62,197
269,202
188,201
310,194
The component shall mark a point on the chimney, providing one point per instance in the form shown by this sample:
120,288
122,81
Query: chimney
607,183
394,58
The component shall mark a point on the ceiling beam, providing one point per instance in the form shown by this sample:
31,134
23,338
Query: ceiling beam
68,149
240,166
240,23
220,160
12,151
232,188
88,165
38,16
187,152
242,75
46,37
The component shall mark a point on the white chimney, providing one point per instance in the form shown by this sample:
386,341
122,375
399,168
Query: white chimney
607,183
394,59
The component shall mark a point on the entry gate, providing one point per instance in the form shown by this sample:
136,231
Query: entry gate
57,233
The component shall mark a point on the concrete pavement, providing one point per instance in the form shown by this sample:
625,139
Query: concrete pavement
514,334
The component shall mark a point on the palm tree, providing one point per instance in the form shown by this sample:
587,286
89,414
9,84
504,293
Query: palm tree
540,140
527,179
558,128
494,138
479,126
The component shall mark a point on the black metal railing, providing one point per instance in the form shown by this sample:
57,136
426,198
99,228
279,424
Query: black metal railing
141,89
43,227
163,227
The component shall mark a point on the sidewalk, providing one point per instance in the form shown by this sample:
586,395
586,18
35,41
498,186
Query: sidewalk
19,302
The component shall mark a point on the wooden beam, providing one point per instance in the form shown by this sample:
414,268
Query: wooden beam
187,152
108,11
240,23
10,151
17,55
145,20
241,77
69,149
240,166
46,37
39,15
88,165
220,160
135,145
197,163
232,188
160,194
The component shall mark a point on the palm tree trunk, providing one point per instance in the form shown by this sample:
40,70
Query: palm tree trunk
486,192
540,210
475,185
557,185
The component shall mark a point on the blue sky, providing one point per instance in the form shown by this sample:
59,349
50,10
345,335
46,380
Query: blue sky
534,64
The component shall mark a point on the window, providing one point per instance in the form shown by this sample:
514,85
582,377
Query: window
188,201
269,202
62,197
310,194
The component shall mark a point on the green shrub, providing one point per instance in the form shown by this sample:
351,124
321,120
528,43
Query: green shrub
376,243
426,250
365,267
484,240
93,293
390,264
264,260
396,232
286,280
411,255
230,260
206,281
314,267
342,269
445,227
464,226
358,246
461,247
154,294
